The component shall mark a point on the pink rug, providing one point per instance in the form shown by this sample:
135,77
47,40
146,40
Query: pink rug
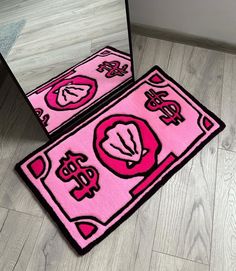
95,176
74,93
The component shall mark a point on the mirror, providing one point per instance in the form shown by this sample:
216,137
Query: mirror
69,57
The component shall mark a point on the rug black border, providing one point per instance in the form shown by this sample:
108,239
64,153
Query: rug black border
63,229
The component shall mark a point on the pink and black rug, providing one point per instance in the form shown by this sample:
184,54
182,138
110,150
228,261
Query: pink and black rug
75,93
95,176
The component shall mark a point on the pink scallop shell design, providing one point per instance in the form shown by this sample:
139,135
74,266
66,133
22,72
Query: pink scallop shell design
126,145
71,93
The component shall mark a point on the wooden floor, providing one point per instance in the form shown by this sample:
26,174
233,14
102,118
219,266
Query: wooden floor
189,225
58,34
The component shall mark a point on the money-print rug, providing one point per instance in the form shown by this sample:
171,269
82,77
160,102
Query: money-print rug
94,177
75,93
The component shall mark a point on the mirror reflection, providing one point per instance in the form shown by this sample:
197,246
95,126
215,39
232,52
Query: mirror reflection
68,56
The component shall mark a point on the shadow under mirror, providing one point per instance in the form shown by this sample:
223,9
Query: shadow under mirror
17,120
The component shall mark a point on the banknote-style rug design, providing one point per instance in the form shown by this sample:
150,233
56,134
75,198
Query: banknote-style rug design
95,176
76,91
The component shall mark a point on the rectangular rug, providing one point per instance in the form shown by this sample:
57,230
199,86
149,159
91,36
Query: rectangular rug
77,91
94,177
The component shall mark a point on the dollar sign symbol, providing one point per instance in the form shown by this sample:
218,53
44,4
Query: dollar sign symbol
113,68
44,118
86,177
170,109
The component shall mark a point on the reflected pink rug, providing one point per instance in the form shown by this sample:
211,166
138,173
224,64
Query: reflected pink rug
74,93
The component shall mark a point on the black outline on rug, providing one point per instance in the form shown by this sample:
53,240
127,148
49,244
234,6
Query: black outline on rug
155,188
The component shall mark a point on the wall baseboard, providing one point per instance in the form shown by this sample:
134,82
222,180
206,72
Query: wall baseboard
174,36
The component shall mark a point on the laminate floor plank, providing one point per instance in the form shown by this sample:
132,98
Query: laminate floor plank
223,255
52,251
184,223
18,234
59,34
163,262
228,109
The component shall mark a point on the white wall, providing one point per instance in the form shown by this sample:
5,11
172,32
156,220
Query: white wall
213,19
